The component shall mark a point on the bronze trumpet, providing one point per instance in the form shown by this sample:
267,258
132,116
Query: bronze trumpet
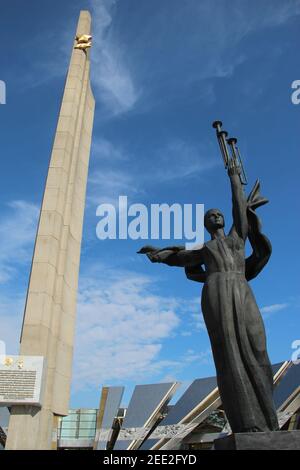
234,155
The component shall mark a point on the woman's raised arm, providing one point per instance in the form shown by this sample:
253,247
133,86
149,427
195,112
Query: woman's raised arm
239,204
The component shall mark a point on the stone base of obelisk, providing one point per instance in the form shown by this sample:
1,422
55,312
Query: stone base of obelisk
276,440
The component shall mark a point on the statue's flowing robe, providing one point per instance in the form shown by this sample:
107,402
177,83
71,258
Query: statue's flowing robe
238,340
233,320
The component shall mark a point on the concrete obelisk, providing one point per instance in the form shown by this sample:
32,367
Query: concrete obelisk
49,318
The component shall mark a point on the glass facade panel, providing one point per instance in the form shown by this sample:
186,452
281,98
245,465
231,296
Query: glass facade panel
87,419
69,425
68,434
79,424
86,433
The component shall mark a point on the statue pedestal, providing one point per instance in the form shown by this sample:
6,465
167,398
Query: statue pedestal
276,440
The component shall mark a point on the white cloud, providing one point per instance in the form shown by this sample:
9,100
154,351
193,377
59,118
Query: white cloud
218,40
275,14
11,309
121,329
273,308
17,234
109,174
192,308
186,333
112,79
204,49
269,310
180,159
177,51
106,185
50,61
202,357
105,151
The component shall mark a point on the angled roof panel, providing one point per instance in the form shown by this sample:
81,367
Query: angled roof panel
198,390
145,403
109,404
276,367
289,383
4,417
194,395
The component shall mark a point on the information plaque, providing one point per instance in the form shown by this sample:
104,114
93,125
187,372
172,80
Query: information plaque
21,380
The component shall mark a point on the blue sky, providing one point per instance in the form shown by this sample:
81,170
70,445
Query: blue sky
162,71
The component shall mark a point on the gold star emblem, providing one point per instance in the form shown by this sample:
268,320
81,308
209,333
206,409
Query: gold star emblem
8,361
83,42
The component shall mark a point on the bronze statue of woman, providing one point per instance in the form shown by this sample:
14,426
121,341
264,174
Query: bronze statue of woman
231,315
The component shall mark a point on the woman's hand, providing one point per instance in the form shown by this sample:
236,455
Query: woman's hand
151,252
233,169
154,257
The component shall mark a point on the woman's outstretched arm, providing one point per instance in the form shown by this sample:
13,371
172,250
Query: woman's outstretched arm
173,256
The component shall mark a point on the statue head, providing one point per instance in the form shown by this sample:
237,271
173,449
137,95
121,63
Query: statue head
213,220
